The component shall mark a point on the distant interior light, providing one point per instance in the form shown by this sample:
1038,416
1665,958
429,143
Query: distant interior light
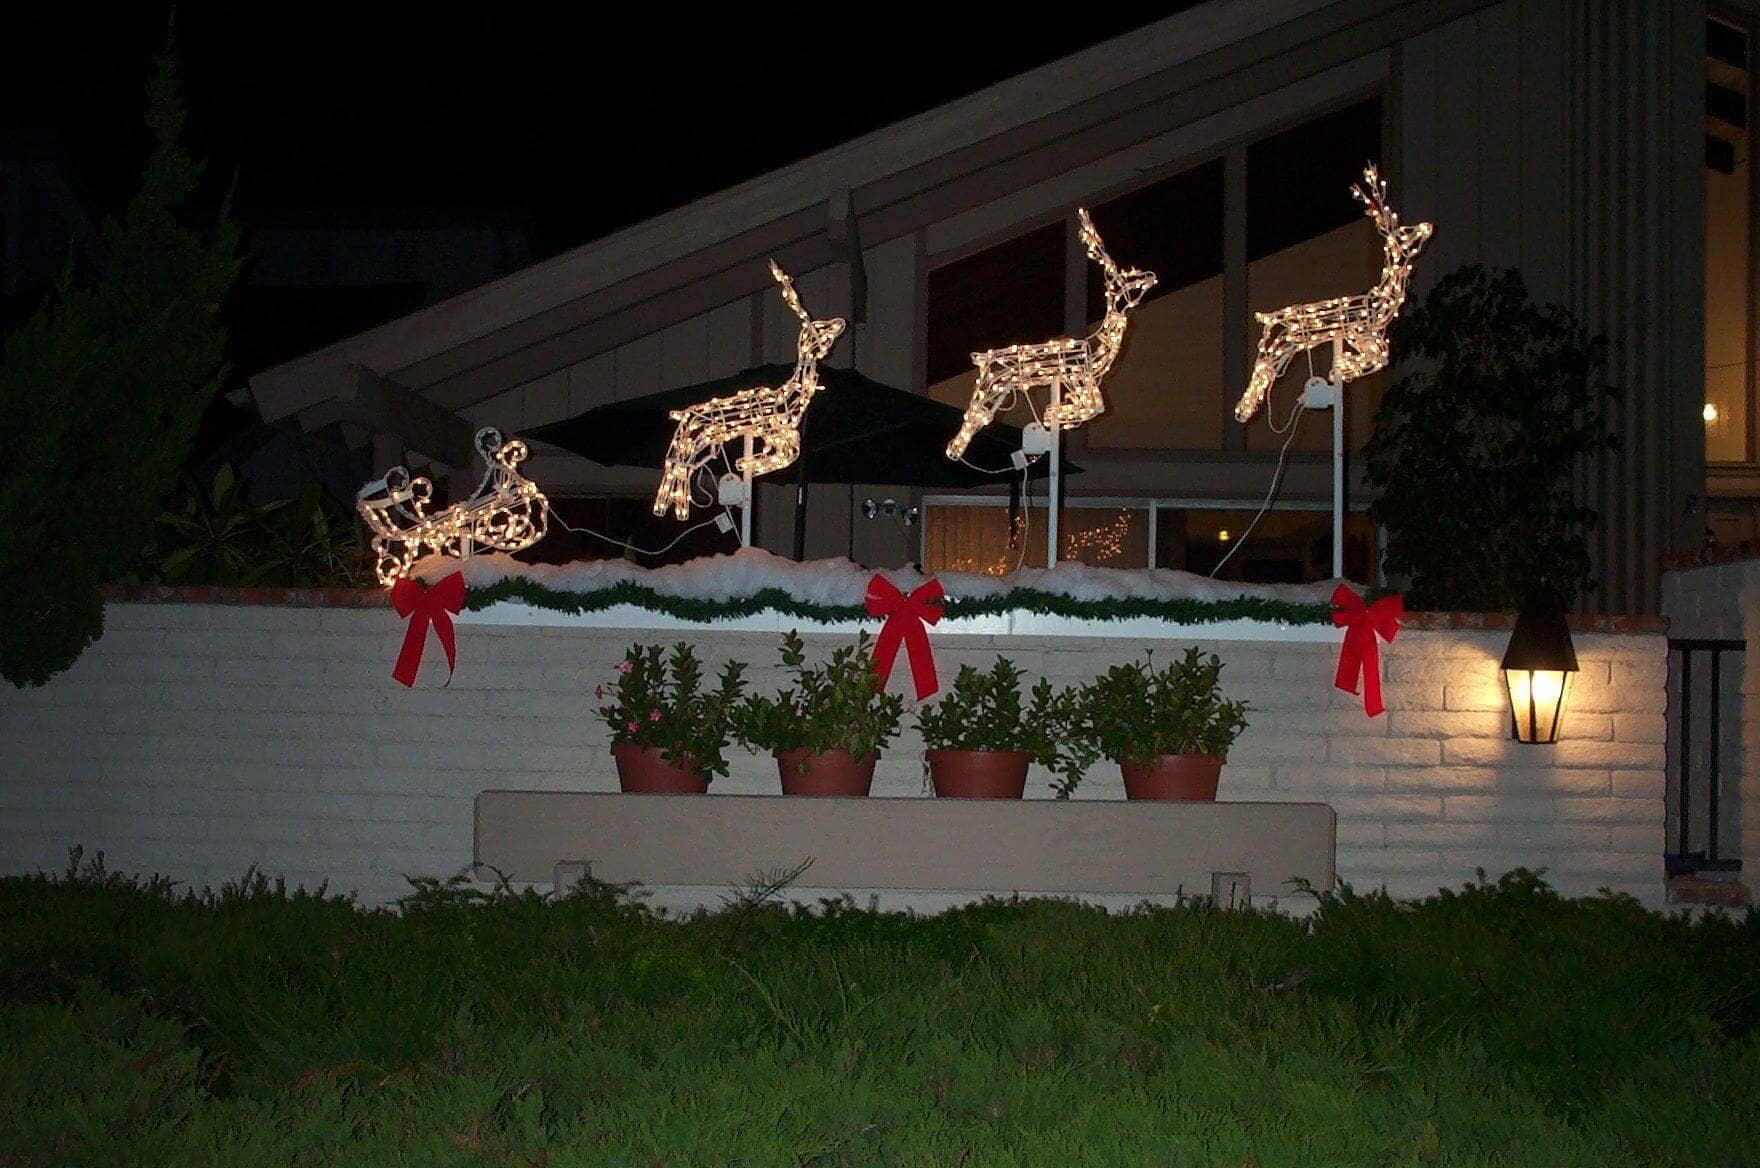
1710,412
1223,536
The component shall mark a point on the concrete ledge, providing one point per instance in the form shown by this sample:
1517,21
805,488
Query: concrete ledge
920,844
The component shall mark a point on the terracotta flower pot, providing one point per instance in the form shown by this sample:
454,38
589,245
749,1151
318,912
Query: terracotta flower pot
835,772
644,769
978,774
1175,777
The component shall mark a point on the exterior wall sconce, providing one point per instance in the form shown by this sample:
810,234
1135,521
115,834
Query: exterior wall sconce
1537,670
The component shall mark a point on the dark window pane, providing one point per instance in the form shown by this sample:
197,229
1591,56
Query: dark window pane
1726,44
1008,294
1172,228
1298,183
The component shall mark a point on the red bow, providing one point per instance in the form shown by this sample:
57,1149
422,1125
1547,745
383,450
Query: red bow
424,606
1361,654
907,618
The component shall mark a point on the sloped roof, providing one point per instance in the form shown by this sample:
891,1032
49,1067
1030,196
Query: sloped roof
894,181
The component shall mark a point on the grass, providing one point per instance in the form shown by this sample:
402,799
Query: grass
1497,1025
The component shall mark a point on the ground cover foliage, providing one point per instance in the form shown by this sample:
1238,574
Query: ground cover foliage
1498,1024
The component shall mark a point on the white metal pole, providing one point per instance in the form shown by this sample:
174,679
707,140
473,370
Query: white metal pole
1337,459
745,510
1053,502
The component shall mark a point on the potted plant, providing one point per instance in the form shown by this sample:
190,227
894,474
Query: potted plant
981,736
827,729
668,733
1168,729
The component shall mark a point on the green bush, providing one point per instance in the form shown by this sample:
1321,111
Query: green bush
215,535
1496,1025
985,711
1475,448
660,701
1137,713
101,391
838,705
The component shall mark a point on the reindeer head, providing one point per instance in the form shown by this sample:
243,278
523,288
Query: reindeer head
817,336
1125,288
1403,243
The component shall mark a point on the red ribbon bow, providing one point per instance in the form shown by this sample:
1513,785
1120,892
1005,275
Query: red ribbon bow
1360,657
907,620
424,606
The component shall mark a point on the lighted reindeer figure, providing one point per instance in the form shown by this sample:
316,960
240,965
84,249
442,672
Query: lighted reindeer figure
1072,366
1358,323
771,417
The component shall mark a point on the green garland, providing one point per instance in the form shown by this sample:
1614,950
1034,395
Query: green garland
1184,611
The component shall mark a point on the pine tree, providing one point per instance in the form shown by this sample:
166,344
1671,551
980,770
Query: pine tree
101,391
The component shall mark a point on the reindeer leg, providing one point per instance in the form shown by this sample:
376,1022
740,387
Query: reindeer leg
1364,353
1276,348
980,412
1081,402
682,460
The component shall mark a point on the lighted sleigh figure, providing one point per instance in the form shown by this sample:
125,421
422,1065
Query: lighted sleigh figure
768,418
1356,326
506,512
1069,368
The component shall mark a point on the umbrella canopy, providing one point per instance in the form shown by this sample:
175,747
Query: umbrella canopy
856,431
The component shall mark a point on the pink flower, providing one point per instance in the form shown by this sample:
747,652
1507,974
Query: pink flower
653,715
624,667
632,727
599,692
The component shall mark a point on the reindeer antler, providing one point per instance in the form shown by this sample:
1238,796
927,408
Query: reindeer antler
1372,193
788,293
1096,246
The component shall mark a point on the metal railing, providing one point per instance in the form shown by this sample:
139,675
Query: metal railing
1685,858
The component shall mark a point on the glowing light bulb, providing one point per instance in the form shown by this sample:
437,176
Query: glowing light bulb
1075,365
1359,321
1710,413
1223,536
506,512
770,416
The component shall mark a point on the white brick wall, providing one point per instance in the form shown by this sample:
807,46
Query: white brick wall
197,740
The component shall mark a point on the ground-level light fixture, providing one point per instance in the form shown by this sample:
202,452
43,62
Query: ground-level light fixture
1537,669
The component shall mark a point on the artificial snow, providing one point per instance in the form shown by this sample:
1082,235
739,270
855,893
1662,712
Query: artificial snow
841,582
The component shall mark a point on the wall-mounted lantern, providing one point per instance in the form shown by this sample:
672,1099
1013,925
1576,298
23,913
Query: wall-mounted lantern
1537,669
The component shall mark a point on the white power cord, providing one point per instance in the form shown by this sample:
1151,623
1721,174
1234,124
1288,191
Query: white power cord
1292,425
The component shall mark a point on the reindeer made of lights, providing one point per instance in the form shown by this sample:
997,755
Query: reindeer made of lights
1357,323
506,512
1071,367
768,415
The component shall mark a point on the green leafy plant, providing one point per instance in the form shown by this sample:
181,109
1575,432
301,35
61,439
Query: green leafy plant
836,705
986,711
1474,450
216,535
1137,713
659,701
101,391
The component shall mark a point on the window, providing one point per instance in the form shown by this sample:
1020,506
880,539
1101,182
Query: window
1166,389
1729,376
993,536
1307,239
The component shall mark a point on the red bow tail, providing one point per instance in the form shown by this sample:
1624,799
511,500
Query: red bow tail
907,620
425,606
1365,626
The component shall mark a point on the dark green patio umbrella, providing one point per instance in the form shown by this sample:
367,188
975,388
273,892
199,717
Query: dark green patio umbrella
857,430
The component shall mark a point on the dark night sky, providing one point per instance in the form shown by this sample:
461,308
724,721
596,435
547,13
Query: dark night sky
585,129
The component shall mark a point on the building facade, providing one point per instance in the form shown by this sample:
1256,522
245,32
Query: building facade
1572,139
